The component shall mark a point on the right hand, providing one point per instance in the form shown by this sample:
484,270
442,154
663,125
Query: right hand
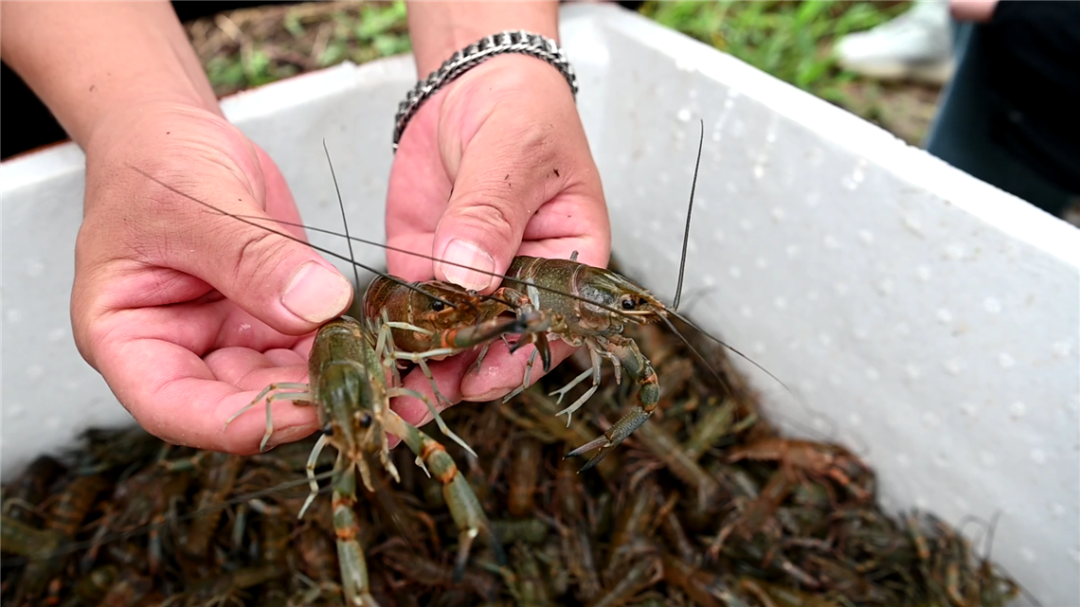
186,313
505,141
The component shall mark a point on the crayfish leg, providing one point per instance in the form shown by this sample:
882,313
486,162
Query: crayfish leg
524,380
396,392
465,508
354,572
310,468
480,357
615,435
625,350
543,348
465,542
594,370
303,398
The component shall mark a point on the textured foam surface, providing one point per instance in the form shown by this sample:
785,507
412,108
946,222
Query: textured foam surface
926,320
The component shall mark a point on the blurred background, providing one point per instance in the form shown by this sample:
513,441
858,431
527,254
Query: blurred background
793,40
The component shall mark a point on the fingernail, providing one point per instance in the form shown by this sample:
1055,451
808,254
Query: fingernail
316,294
490,395
289,435
468,254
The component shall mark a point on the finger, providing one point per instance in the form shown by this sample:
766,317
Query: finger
240,330
416,195
176,396
570,223
447,374
505,176
284,283
403,265
200,328
504,372
236,365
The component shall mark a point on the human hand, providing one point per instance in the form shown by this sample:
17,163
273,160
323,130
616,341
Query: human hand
506,138
188,314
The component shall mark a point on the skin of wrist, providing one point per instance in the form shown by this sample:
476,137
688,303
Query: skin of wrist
468,101
133,123
89,60
117,118
439,29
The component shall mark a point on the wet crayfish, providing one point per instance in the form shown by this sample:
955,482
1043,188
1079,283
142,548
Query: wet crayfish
590,306
348,383
561,298
580,305
348,371
431,320
574,308
427,328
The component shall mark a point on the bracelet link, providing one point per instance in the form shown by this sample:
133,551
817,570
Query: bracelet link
519,41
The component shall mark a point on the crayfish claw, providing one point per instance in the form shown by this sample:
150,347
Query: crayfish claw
545,351
464,546
599,457
613,437
596,442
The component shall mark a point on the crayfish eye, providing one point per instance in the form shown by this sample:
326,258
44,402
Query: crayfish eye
628,304
365,420
328,429
437,305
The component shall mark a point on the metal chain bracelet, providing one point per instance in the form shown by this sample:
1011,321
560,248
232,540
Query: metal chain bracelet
519,41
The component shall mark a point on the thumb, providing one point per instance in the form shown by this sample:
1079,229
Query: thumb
501,182
280,281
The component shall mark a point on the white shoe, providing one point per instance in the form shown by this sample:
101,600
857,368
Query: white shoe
1072,212
917,45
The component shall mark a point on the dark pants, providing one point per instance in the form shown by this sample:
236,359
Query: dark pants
974,119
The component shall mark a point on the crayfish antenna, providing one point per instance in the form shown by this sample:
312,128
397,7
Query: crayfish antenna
689,212
344,219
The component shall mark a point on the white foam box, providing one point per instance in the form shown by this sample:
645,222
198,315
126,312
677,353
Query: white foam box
923,318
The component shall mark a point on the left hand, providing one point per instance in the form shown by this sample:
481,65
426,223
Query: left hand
495,164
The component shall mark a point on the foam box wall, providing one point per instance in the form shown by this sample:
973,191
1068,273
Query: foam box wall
923,318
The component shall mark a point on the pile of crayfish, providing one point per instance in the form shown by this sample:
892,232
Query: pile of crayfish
705,504
689,497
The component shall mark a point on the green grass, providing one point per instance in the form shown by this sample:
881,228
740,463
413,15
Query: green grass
279,42
791,40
